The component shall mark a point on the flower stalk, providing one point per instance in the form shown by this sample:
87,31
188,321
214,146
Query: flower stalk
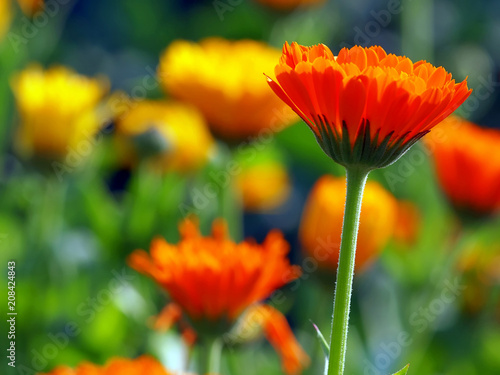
356,180
210,356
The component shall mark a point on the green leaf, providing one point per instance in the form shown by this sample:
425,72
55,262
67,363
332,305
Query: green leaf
403,371
322,341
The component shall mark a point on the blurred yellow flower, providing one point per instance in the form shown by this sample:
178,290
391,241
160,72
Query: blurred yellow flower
5,17
116,366
30,7
224,80
174,134
322,218
290,4
58,110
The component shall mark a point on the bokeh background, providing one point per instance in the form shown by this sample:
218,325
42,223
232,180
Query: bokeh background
70,236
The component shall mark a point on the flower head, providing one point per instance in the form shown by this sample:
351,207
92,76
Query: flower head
212,279
57,109
237,106
468,166
115,366
407,224
365,107
174,134
321,223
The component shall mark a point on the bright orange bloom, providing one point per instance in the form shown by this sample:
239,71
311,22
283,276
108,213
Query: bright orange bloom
322,218
467,163
279,334
116,366
224,80
212,278
290,4
364,106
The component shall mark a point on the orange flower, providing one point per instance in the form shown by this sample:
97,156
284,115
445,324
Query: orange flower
30,7
321,223
290,4
279,334
116,366
212,278
407,223
468,166
224,80
364,106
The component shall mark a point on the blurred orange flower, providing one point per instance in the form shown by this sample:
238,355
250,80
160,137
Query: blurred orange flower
58,110
290,4
263,181
175,135
468,166
224,80
213,278
364,106
321,223
116,366
30,7
407,224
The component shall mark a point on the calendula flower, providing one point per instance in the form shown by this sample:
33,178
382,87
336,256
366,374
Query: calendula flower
30,7
407,223
467,161
115,366
290,4
213,280
175,135
263,180
224,80
321,223
365,107
58,111
278,332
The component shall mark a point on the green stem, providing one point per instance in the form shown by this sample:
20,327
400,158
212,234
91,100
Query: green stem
211,356
356,180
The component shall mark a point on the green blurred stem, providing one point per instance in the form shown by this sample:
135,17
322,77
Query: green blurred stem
210,356
356,180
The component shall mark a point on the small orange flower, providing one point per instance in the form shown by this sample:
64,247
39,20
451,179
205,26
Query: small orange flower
116,366
212,278
224,80
365,107
321,223
468,166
